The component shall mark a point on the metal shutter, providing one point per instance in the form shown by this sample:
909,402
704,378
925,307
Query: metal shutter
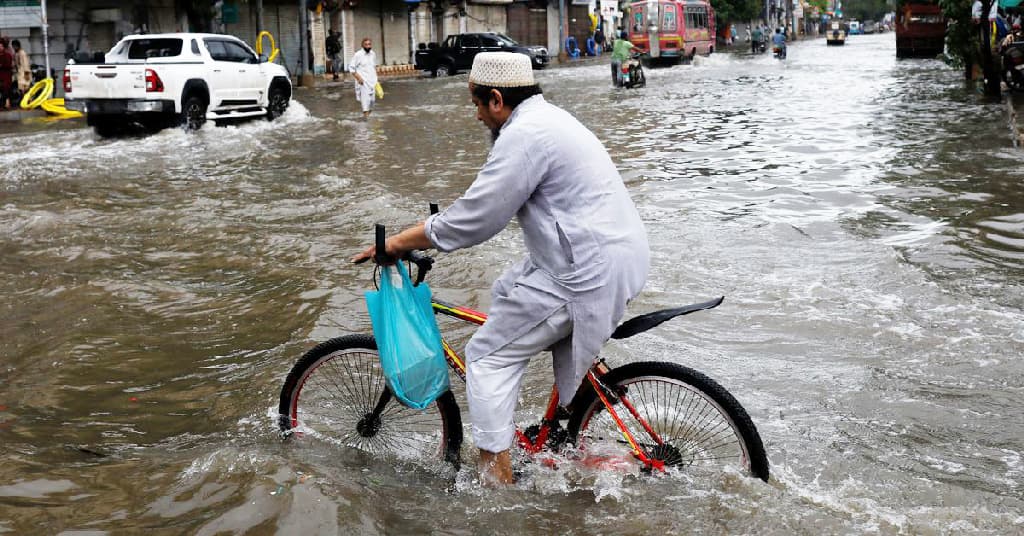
245,29
579,25
528,22
282,20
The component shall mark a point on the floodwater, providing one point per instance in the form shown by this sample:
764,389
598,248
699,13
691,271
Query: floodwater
863,216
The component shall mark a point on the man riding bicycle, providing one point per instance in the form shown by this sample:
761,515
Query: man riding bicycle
587,251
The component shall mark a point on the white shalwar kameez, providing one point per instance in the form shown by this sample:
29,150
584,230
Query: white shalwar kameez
587,257
365,63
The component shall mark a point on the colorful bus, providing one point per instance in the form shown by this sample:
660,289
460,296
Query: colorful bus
920,29
671,30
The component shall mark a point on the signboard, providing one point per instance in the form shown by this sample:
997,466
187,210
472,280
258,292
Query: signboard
609,8
21,14
229,13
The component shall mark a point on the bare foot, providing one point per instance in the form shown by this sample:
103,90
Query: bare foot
496,469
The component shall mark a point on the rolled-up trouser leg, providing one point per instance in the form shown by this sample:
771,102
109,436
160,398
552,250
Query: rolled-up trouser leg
492,382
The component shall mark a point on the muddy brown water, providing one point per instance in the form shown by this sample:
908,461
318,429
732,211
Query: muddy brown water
863,216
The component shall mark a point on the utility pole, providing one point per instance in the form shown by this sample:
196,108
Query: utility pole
305,76
46,40
562,56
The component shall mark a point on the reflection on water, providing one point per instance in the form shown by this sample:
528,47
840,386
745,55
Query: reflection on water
862,215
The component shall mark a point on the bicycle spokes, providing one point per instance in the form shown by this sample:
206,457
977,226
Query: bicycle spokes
603,393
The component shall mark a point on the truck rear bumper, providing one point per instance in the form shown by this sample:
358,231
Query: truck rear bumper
119,106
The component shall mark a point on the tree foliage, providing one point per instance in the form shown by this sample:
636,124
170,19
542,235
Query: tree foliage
736,10
867,9
968,44
821,5
962,41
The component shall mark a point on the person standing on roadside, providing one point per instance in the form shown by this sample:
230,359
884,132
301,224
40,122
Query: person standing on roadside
333,46
587,252
22,68
364,69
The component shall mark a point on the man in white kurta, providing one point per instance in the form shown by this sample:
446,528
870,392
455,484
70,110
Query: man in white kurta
364,69
587,251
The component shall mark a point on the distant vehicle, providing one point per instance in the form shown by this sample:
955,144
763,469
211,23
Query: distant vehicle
855,28
457,52
836,33
680,29
160,80
869,27
920,29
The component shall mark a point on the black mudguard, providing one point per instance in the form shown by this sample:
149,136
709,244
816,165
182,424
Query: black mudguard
642,323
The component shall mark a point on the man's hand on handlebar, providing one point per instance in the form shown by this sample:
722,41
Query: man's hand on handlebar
412,238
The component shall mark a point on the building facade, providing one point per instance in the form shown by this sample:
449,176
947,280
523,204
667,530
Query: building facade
85,29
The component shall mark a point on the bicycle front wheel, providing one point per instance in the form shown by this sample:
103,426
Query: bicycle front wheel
676,415
337,392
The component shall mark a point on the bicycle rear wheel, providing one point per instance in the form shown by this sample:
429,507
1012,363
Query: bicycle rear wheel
337,392
696,420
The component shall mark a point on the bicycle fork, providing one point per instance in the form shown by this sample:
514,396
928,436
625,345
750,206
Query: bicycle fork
605,394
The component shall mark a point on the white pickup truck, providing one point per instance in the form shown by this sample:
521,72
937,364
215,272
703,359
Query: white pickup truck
159,80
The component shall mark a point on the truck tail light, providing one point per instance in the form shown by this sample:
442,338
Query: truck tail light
67,80
153,82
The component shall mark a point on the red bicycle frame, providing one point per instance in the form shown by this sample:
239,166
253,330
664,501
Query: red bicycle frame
594,375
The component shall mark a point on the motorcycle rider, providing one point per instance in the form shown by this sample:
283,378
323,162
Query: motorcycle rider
779,42
620,53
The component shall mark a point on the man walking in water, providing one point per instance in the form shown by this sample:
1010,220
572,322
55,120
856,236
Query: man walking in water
587,251
364,69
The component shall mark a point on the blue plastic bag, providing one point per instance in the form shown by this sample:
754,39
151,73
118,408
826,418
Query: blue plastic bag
408,340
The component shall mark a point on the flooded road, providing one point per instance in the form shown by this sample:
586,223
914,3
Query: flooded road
863,216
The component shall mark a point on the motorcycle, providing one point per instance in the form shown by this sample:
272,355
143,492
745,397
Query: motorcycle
760,46
632,73
1013,66
779,51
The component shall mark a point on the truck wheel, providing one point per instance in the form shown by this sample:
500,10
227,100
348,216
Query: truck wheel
443,70
193,113
104,127
277,102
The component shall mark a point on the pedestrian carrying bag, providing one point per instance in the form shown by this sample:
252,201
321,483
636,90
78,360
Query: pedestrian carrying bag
408,341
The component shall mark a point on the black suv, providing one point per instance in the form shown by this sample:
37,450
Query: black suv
457,52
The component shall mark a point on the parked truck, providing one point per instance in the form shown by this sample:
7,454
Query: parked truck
457,52
160,80
920,29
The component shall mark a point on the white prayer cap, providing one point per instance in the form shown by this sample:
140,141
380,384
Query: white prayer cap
502,69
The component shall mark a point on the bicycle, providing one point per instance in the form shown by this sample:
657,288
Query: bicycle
664,414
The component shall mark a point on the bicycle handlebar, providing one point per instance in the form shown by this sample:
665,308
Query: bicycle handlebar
423,262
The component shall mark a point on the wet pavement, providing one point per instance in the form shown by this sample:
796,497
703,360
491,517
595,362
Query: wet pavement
863,216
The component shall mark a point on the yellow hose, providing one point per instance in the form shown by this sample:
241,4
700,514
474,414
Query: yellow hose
45,91
273,46
56,107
